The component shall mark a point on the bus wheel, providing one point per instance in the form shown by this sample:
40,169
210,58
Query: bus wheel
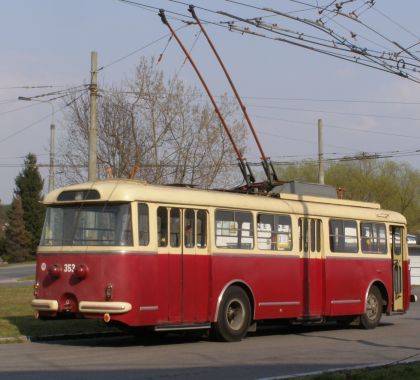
234,315
373,309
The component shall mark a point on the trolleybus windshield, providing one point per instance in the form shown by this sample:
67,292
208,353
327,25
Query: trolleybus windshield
93,224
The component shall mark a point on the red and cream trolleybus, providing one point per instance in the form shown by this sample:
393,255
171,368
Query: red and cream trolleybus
181,258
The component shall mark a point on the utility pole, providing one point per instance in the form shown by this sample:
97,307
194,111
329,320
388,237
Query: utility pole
320,152
92,175
51,182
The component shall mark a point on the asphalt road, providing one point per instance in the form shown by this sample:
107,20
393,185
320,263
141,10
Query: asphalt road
9,274
267,353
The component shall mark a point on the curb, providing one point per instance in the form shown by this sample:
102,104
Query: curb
343,369
15,339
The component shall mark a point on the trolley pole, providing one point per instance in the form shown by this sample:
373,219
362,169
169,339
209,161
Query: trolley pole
92,175
320,152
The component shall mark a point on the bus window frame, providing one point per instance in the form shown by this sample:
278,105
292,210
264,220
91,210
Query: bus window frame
367,252
252,234
330,235
158,245
289,234
137,222
207,229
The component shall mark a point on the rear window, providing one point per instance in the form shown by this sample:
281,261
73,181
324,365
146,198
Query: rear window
88,225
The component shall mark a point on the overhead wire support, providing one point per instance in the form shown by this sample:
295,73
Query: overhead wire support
267,166
243,165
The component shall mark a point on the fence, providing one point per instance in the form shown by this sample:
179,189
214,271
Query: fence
414,252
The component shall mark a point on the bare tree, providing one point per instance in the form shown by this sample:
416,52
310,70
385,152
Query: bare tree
160,130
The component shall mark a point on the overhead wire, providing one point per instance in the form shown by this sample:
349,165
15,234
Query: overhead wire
19,131
30,87
352,48
139,49
19,108
334,126
375,60
362,61
336,112
340,25
339,39
332,100
395,23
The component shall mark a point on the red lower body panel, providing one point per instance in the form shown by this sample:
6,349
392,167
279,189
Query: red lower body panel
176,288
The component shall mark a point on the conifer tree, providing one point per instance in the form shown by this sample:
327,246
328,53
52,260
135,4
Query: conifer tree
17,239
29,185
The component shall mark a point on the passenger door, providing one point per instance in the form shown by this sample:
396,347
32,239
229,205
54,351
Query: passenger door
187,266
313,270
195,266
397,241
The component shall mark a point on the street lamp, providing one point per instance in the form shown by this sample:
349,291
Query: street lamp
51,183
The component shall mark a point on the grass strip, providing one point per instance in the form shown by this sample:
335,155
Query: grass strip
409,371
17,320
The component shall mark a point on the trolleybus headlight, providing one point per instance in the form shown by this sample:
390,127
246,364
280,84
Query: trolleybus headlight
81,271
55,270
36,289
108,292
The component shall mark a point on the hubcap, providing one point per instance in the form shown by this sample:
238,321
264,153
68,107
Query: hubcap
235,314
372,307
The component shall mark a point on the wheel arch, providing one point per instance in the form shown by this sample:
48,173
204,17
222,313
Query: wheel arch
384,293
247,289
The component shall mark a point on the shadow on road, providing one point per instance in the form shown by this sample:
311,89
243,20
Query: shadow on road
150,338
154,371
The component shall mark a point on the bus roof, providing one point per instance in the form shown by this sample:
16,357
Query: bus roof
125,190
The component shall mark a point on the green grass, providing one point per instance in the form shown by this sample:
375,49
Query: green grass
16,317
409,371
27,278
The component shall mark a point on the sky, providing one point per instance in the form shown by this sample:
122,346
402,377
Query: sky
286,88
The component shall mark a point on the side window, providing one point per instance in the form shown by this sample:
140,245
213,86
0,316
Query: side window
313,235
234,229
373,237
189,228
274,232
143,221
201,229
162,226
318,235
303,234
397,234
175,227
343,236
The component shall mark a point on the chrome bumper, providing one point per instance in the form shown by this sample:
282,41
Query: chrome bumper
45,305
85,306
104,307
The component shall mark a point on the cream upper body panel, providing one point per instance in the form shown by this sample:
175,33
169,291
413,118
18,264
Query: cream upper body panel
132,190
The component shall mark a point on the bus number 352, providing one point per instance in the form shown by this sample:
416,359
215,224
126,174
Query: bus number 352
69,268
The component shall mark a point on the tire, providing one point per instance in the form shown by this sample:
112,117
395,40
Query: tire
373,309
234,316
